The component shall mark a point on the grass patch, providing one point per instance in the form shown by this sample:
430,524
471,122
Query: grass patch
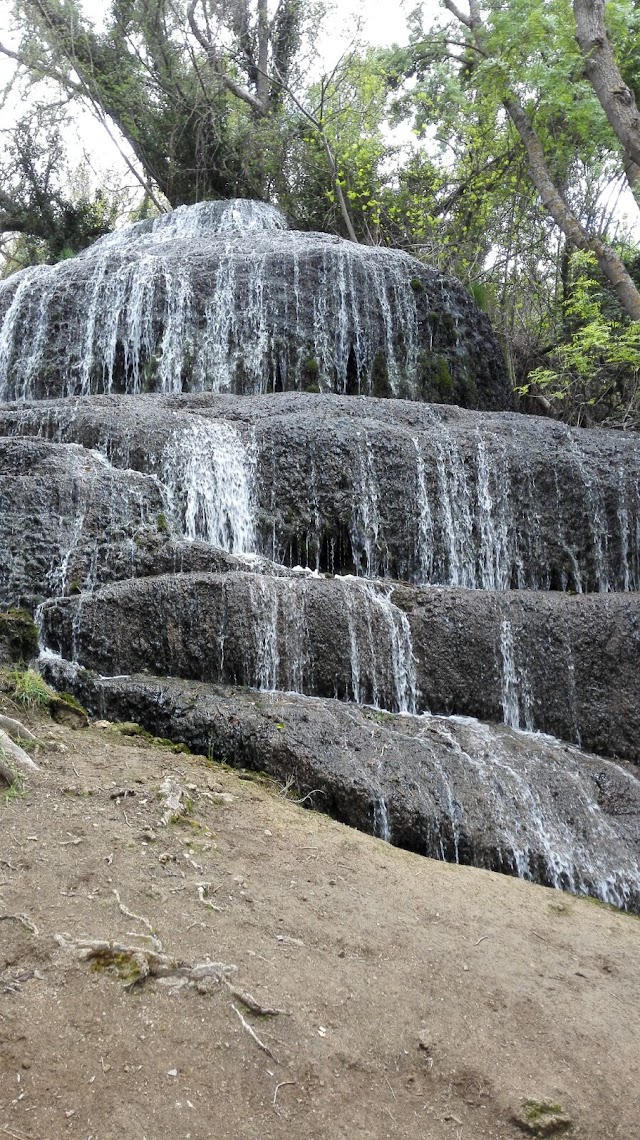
28,689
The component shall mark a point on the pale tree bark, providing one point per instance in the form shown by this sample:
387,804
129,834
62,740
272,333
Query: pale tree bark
610,264
602,71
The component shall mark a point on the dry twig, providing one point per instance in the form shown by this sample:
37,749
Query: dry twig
250,1002
203,890
279,1086
23,919
139,918
252,1033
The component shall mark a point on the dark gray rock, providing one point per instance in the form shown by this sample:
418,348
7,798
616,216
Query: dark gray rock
427,494
232,301
18,638
448,788
551,662
69,521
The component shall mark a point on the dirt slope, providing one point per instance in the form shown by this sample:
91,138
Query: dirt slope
516,991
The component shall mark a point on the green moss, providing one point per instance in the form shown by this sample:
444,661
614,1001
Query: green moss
123,964
70,700
417,285
309,374
535,1110
18,636
75,587
378,716
380,377
162,523
543,1118
609,907
149,373
132,728
443,379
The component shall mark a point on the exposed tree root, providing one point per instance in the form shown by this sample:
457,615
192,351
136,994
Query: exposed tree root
13,760
139,918
136,964
252,1033
23,919
15,728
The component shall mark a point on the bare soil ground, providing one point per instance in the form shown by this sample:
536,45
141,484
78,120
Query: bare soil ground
421,999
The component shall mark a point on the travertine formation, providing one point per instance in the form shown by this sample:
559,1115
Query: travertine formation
196,483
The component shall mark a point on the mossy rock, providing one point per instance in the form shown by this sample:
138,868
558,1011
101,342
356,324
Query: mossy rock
132,728
380,385
65,709
542,1118
443,379
18,637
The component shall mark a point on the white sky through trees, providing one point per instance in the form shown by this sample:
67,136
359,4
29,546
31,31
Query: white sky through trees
376,22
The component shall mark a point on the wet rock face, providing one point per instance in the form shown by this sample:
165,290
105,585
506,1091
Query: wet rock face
63,513
456,790
18,638
430,495
69,521
222,297
404,650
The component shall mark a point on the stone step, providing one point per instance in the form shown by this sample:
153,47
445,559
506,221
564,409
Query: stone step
376,487
558,663
448,788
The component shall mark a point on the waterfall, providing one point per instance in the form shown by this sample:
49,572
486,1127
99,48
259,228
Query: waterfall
381,650
516,695
365,525
381,825
517,781
209,297
209,475
178,342
282,649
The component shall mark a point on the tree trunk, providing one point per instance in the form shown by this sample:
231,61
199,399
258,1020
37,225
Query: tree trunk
603,73
610,264
263,54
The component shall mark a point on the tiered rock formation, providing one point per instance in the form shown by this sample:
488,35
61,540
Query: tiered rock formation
399,566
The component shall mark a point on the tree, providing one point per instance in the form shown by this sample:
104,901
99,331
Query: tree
40,200
184,83
601,68
504,73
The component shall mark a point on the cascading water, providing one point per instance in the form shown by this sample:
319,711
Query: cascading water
523,804
381,650
516,696
208,472
382,670
209,298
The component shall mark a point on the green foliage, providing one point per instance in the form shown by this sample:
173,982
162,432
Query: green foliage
50,208
594,376
29,689
344,112
171,95
466,201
